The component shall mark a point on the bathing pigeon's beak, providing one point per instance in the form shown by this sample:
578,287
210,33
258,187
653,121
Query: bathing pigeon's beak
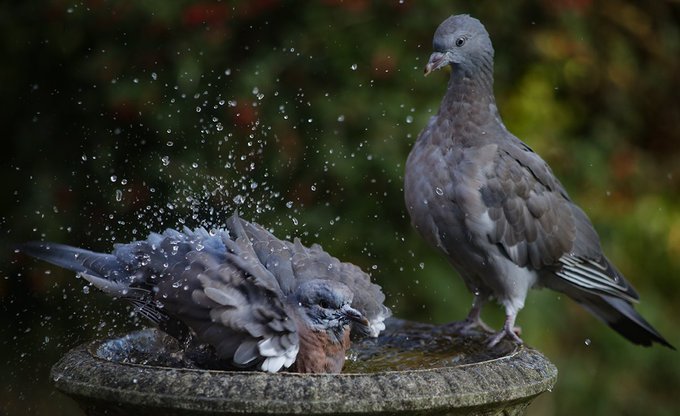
354,315
437,60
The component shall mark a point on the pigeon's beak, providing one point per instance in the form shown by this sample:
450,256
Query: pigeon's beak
437,60
354,315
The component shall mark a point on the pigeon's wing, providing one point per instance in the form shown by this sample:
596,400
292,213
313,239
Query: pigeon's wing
270,253
537,226
532,219
293,264
222,303
368,298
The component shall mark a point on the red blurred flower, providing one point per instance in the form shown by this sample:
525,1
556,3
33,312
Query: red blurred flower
205,13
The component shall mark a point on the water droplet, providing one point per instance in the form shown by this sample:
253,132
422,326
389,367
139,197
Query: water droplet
422,265
114,178
295,221
165,160
198,109
289,204
86,289
341,118
439,191
239,199
154,76
354,67
119,195
587,342
409,119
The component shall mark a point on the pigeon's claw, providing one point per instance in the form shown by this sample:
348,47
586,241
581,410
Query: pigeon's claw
509,330
478,324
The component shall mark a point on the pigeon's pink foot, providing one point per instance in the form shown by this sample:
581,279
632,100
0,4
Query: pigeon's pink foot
509,330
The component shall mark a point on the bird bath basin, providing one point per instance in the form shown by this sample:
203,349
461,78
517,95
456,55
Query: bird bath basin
412,368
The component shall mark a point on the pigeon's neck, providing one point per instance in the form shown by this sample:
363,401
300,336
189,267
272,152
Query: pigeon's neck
470,95
320,352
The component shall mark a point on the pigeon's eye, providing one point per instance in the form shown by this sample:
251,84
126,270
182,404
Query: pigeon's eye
460,42
323,304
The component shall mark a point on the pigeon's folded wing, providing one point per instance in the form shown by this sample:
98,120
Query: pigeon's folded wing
537,225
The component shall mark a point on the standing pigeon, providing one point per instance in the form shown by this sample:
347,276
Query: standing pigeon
494,207
260,302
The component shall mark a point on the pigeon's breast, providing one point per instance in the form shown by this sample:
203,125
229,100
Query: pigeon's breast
442,190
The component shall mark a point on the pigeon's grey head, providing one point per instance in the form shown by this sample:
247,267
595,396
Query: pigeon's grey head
324,305
460,41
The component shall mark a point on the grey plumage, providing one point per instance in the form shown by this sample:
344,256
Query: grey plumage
494,207
240,290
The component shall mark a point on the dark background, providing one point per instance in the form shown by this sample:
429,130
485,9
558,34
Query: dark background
125,117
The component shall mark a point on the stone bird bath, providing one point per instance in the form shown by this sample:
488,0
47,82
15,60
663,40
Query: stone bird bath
412,369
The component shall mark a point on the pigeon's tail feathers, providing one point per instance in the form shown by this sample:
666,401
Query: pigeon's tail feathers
620,315
107,273
113,287
85,262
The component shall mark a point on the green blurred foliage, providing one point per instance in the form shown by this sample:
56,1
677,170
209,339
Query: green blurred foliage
124,117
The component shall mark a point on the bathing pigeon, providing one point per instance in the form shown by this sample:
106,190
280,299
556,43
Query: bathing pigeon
260,302
494,207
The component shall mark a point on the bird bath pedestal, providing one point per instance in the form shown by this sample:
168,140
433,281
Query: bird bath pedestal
412,369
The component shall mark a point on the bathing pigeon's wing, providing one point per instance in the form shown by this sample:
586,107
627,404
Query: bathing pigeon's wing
293,264
245,252
273,254
227,308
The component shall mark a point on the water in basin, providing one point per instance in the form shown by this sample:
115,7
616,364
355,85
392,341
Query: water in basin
404,345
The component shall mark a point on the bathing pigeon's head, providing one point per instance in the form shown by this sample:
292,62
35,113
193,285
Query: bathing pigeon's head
325,305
